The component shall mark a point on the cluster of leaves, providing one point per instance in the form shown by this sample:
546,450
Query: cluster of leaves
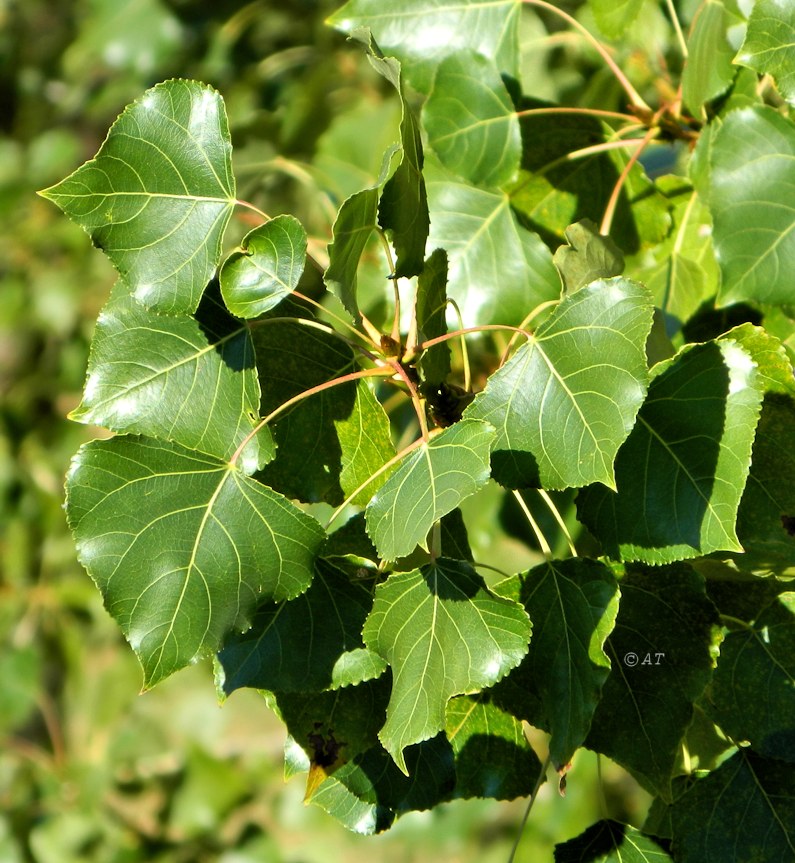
252,416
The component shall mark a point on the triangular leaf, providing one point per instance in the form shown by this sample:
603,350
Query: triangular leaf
444,634
499,272
753,168
769,46
306,644
567,399
429,483
471,122
573,605
266,269
145,370
491,30
159,193
681,473
741,811
662,653
611,842
492,755
752,694
182,546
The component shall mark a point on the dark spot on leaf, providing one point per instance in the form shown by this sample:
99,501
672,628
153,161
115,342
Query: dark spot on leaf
325,750
788,523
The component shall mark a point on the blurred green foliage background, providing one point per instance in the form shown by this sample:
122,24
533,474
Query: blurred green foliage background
89,769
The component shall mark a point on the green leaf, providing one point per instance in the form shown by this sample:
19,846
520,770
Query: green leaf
752,695
586,257
443,634
662,655
145,371
573,605
365,446
499,272
434,363
492,756
306,644
611,842
567,399
182,546
769,46
614,16
447,26
741,811
681,473
753,168
471,122
266,269
291,359
355,223
429,483
709,70
159,193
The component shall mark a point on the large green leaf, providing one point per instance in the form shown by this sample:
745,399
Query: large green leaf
752,695
429,483
611,842
445,27
499,272
615,16
708,71
306,644
471,122
182,545
753,169
492,755
443,634
176,378
573,605
681,473
266,269
662,654
769,46
159,193
741,811
567,399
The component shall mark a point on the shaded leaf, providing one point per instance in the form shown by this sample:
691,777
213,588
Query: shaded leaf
173,377
431,311
306,644
492,755
159,193
613,17
471,122
741,811
587,256
752,694
499,272
266,269
709,70
662,654
573,605
429,483
769,46
753,168
443,634
611,842
490,29
182,546
680,475
566,400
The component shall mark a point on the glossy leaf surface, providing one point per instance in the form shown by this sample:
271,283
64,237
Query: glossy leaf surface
182,545
769,46
443,633
159,193
611,842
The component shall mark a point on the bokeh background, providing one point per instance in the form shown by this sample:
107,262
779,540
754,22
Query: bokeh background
91,770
